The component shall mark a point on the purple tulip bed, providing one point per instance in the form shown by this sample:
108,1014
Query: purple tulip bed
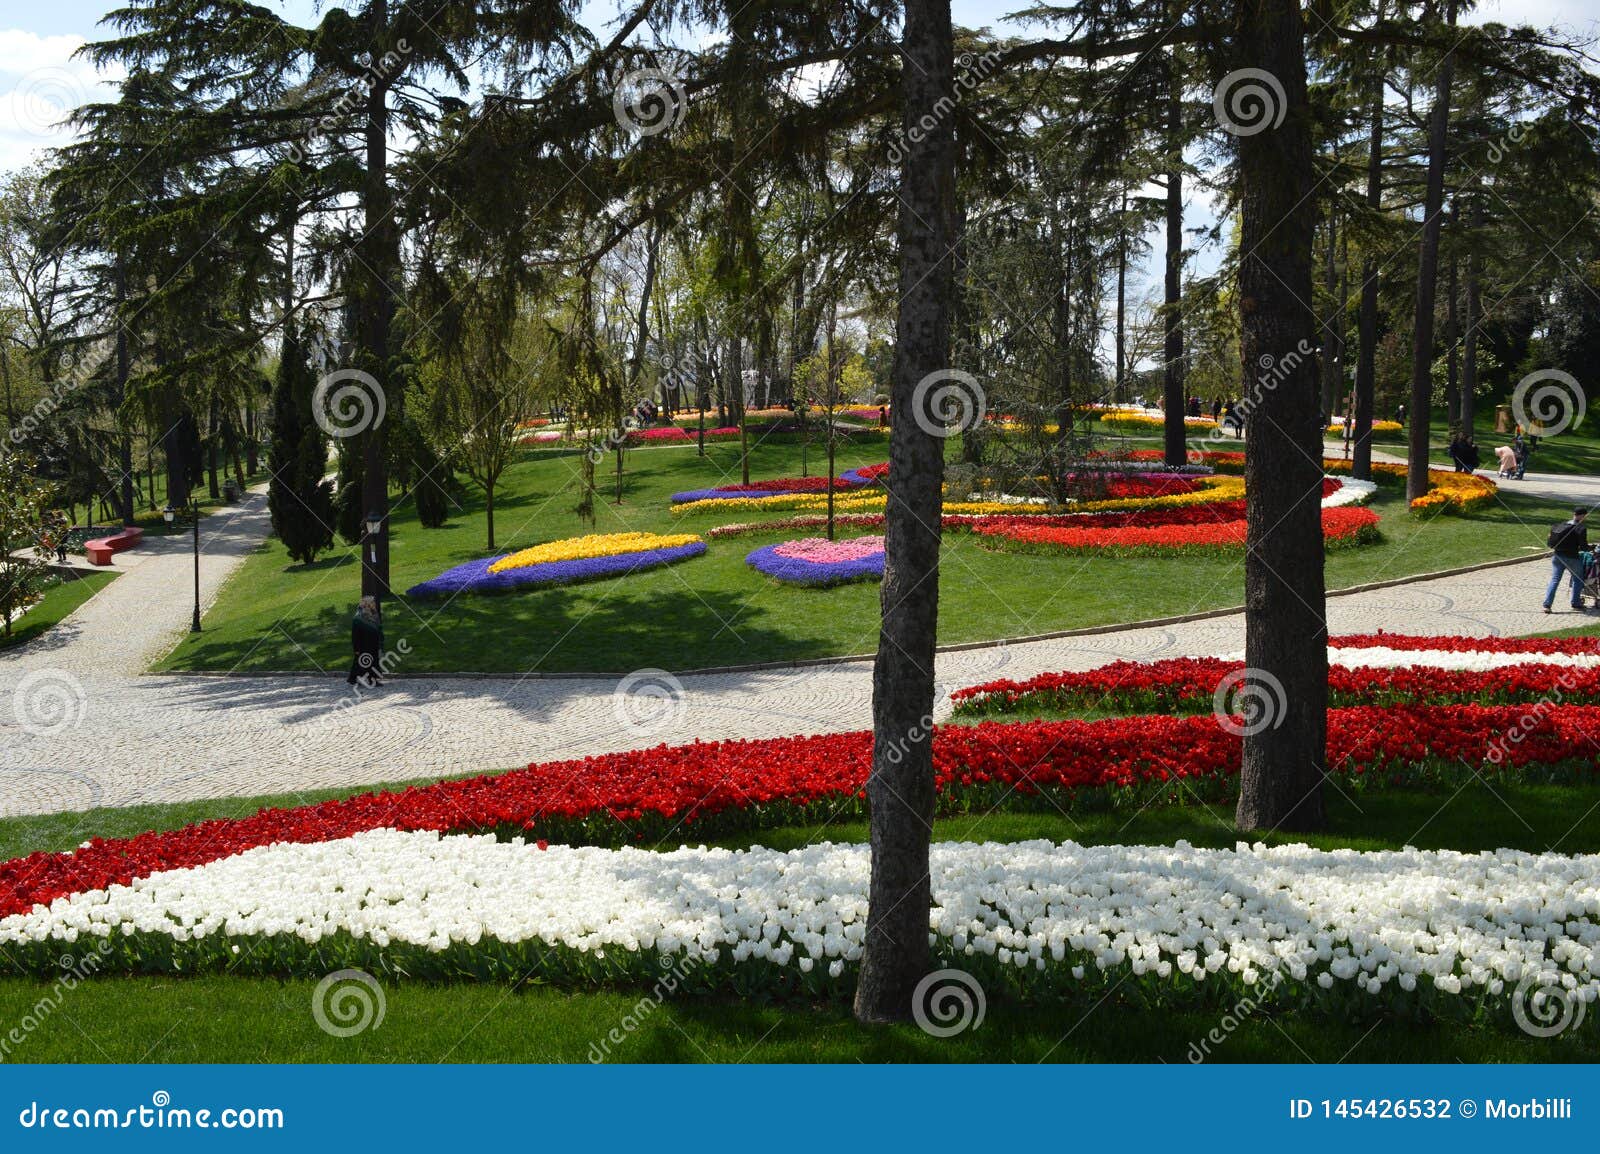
474,576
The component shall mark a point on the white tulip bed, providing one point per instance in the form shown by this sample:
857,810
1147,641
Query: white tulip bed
1351,491
1410,928
1411,932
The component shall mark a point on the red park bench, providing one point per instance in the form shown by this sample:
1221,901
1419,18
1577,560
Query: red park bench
99,550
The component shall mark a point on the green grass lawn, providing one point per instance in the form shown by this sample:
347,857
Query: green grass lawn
714,610
226,1019
61,597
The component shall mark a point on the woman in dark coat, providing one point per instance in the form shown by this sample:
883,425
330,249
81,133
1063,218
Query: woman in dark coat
366,638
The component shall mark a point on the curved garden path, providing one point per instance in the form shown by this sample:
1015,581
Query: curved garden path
81,727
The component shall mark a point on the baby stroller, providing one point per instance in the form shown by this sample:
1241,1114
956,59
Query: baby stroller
1591,575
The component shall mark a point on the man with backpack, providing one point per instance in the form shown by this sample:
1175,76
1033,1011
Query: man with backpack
1567,541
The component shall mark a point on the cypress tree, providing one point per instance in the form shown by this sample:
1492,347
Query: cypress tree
300,499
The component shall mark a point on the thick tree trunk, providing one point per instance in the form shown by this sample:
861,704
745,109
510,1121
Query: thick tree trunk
1285,698
1120,393
1367,320
5,372
1417,449
122,370
379,278
1452,337
1469,350
1175,447
213,451
1330,351
900,789
736,399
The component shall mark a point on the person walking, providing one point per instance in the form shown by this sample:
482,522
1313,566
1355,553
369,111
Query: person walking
1567,542
366,638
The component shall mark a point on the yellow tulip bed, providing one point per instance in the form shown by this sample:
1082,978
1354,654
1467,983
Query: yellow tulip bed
1221,488
1138,421
1337,428
593,545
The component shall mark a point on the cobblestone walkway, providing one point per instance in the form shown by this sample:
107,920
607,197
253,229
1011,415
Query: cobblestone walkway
80,728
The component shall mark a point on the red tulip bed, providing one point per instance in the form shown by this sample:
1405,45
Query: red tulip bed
1191,684
713,788
1195,534
1203,527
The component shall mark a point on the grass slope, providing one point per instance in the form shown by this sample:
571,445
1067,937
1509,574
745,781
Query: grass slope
60,599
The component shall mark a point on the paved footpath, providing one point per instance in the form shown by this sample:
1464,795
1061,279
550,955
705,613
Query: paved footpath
81,727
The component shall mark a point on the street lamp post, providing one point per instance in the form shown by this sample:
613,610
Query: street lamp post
170,515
